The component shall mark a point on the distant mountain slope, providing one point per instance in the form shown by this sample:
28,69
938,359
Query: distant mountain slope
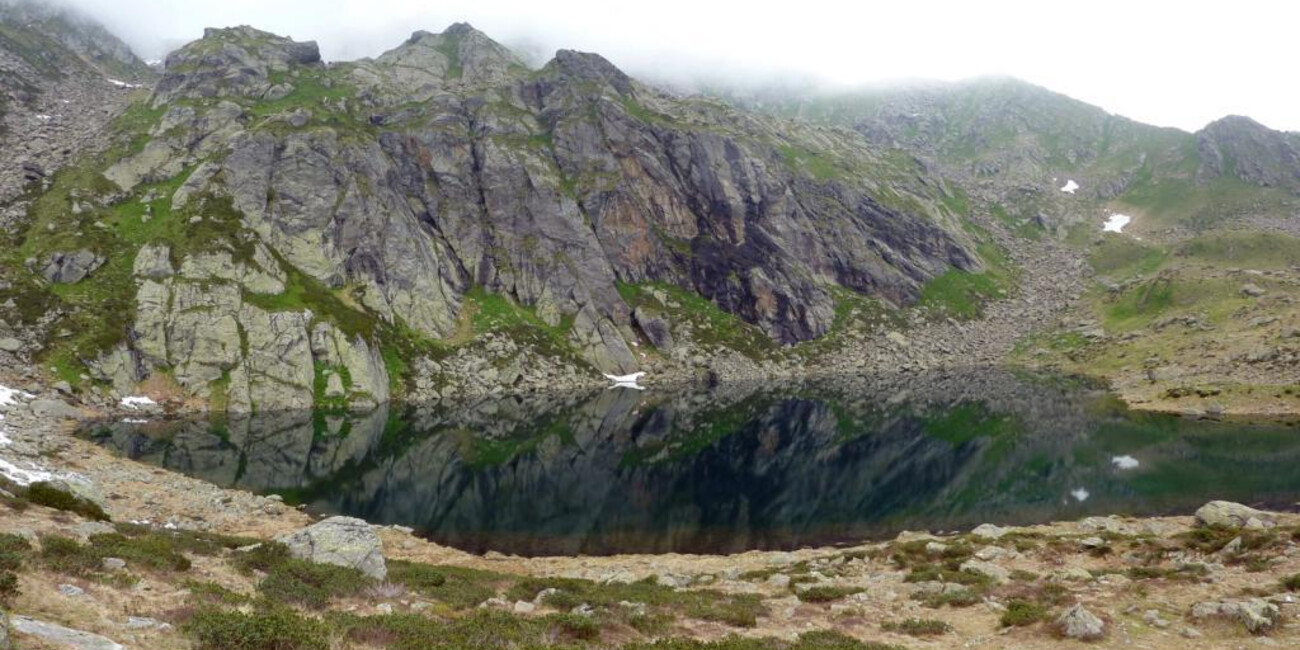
1019,144
40,43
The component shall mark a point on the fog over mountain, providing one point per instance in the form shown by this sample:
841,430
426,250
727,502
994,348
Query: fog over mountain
1162,63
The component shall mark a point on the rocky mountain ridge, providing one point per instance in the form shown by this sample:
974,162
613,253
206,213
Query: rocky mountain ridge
262,195
271,232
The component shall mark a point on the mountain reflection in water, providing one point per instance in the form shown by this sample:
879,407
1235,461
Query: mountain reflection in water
734,467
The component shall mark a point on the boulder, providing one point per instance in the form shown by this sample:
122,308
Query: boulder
989,531
60,636
655,327
1233,515
71,267
10,344
989,569
48,407
1258,615
1079,623
341,541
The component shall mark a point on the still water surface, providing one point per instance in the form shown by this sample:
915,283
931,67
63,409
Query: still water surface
735,467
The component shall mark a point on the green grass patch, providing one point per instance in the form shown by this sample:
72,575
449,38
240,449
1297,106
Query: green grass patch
310,584
918,627
271,628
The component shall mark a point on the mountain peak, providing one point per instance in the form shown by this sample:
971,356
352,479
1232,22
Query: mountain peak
459,52
592,67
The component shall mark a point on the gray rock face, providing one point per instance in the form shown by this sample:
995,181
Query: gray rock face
1079,623
63,636
1256,614
341,541
547,188
71,267
4,631
1233,515
46,407
655,327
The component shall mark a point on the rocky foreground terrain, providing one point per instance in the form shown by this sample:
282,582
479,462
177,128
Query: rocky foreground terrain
99,552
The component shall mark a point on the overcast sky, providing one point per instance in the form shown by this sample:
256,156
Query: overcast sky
1169,63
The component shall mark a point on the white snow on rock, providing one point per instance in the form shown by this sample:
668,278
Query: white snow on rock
1116,223
1070,186
43,117
24,475
1125,462
123,84
134,421
8,396
137,401
1080,494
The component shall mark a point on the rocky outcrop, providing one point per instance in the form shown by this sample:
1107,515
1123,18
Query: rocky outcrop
1257,615
444,165
70,268
1253,153
341,541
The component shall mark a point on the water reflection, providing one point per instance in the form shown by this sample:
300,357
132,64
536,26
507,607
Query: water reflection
734,467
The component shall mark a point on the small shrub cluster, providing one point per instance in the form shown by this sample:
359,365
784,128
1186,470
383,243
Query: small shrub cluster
311,585
918,627
49,495
1020,613
267,629
826,593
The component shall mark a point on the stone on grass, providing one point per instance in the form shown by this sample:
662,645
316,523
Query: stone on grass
989,531
71,591
341,541
1233,515
1079,623
988,569
1258,615
62,636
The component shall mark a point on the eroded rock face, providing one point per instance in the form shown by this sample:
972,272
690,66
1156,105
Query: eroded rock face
443,165
341,541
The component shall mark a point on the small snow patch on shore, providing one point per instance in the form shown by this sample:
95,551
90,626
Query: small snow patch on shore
1116,223
137,401
1070,186
8,396
1080,494
1125,462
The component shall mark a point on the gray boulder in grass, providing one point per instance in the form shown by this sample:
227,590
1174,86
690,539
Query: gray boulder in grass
1079,623
1233,515
341,541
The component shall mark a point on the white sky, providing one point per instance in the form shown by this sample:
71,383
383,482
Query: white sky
1169,63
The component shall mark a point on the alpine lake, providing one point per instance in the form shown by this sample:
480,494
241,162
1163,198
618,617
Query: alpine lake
733,467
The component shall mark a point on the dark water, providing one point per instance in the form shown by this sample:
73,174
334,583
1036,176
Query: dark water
735,467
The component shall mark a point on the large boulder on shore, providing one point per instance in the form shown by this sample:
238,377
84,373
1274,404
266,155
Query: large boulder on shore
1233,515
341,541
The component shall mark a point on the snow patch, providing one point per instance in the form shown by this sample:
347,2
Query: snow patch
134,421
24,475
43,117
1116,223
1070,187
137,401
5,441
1080,494
123,84
8,395
1125,462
